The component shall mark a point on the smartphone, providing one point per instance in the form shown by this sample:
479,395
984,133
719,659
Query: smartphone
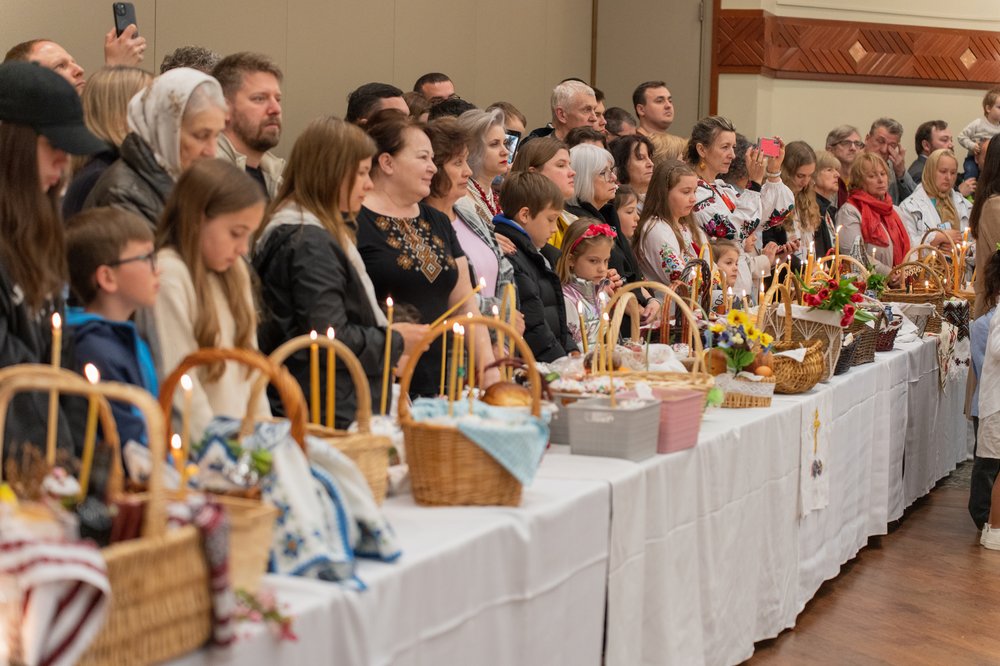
124,17
769,147
510,143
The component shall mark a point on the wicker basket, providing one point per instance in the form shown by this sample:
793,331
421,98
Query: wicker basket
930,256
864,342
743,393
252,521
698,379
791,376
845,362
369,452
885,338
447,468
913,275
808,324
161,606
827,272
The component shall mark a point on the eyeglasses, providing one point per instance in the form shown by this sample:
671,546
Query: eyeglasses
609,174
847,143
150,257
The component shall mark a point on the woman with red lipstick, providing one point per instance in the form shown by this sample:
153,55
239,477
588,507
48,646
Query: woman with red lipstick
409,248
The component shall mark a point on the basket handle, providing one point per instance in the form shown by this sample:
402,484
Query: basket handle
288,388
935,277
344,353
668,293
829,259
934,258
927,234
630,304
768,299
43,378
500,326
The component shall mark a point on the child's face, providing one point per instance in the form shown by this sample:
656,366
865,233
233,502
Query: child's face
681,196
592,262
226,237
540,227
628,217
728,263
993,112
137,281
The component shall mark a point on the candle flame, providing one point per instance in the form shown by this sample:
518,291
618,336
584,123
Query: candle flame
312,335
388,302
605,317
745,292
330,333
839,227
482,283
92,373
496,311
186,383
461,329
729,291
56,321
456,329
579,307
175,442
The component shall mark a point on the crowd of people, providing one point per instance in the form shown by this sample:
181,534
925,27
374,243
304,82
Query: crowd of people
174,226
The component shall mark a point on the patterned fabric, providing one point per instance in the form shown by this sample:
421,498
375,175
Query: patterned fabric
484,229
660,256
419,249
723,211
585,292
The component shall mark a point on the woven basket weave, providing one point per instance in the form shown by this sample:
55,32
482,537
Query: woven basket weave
161,606
446,467
791,376
913,275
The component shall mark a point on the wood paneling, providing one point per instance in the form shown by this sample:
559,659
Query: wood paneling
757,42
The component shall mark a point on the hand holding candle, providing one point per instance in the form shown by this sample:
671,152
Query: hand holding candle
388,350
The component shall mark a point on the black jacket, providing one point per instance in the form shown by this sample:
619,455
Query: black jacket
84,180
540,297
308,283
135,182
27,339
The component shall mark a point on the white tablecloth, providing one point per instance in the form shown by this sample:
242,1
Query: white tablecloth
475,585
726,560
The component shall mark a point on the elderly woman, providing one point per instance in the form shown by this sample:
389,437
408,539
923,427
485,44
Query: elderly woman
172,123
870,226
936,205
594,194
484,154
633,156
725,211
105,108
410,248
550,157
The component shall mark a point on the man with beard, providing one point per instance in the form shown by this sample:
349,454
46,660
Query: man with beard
251,83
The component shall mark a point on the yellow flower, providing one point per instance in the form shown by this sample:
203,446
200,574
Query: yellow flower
766,339
737,318
717,328
753,332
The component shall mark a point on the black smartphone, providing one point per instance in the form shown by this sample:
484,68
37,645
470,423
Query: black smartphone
124,17
510,143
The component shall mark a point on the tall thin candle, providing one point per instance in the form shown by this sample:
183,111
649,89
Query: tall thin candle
90,434
583,325
453,375
472,364
609,343
444,357
331,380
53,421
187,386
388,350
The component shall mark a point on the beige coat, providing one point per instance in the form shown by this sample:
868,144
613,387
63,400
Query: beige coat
986,245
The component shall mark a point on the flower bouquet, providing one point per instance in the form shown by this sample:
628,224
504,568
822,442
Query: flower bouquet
838,295
743,344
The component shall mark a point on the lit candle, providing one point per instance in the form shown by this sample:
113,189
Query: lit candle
388,351
187,387
90,434
463,371
609,343
331,380
314,377
728,303
444,355
809,261
453,375
50,433
583,325
836,251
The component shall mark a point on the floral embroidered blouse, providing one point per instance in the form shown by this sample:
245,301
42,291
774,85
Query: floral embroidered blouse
660,257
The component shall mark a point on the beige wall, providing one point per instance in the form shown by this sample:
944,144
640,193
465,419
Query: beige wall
516,50
806,110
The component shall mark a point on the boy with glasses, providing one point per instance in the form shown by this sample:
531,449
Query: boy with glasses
113,273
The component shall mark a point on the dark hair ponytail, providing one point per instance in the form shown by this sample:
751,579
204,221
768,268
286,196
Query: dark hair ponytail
992,280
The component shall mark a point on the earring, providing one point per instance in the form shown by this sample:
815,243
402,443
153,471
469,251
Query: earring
702,165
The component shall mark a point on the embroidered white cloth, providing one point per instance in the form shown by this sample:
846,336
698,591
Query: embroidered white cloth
814,473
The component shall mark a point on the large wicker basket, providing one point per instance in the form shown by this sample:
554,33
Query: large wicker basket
251,521
913,277
930,256
369,452
447,468
698,379
808,324
792,376
161,605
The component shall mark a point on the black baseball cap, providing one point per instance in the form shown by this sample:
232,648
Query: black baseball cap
38,97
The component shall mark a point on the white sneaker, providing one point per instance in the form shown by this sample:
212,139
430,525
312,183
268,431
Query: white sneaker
990,538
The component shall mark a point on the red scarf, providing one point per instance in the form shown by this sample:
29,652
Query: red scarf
880,224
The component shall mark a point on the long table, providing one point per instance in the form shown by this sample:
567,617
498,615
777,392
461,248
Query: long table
688,558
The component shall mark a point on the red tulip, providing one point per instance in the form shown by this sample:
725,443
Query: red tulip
849,309
857,298
846,321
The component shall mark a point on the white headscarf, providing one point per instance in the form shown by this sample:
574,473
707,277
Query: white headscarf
156,111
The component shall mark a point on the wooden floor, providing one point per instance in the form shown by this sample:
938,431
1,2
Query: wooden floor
927,593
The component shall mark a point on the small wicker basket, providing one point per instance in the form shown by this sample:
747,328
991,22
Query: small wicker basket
792,376
864,342
369,452
161,606
912,275
447,468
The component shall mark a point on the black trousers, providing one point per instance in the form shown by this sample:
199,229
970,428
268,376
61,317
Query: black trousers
984,474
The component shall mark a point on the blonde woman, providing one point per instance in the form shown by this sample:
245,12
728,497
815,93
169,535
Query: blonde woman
826,184
206,298
935,204
105,111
